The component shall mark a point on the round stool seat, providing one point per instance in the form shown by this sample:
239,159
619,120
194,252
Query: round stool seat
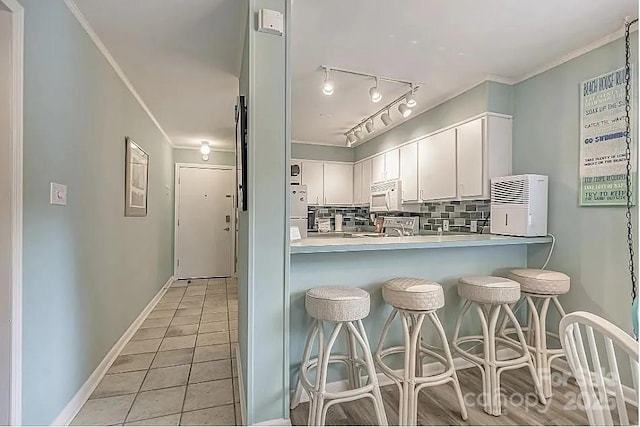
541,282
337,303
414,294
489,289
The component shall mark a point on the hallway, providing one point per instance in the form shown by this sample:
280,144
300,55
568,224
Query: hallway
179,368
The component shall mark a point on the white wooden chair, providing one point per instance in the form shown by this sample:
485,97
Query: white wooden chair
610,354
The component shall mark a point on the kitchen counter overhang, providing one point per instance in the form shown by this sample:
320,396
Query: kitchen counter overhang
361,244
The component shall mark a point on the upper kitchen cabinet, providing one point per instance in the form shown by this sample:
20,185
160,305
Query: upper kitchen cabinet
386,166
409,172
357,184
338,184
470,143
366,181
313,178
437,166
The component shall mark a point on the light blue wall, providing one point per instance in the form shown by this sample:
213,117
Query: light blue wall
219,158
322,152
264,228
487,96
591,245
88,270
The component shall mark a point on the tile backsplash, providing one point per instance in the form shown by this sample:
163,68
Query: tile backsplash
460,213
351,216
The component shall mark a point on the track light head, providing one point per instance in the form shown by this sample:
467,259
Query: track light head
351,138
327,87
411,101
374,92
386,118
404,110
369,126
359,134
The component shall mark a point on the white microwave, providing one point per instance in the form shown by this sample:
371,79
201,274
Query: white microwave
386,196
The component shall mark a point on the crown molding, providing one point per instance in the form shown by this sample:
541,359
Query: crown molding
73,7
213,150
325,144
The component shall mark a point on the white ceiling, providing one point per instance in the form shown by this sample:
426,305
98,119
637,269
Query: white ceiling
447,45
183,56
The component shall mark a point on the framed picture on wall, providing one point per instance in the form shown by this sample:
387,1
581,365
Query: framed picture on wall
136,179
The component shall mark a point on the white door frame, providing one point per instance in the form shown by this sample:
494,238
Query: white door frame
17,63
176,186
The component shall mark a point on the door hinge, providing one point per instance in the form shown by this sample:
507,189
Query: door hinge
178,222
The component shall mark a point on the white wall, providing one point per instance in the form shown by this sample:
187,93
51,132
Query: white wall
5,213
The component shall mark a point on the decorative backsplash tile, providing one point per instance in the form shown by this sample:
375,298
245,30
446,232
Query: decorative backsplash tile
460,213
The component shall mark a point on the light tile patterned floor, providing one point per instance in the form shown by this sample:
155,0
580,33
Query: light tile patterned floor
179,368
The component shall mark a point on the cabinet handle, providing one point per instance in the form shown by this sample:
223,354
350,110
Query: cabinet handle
421,196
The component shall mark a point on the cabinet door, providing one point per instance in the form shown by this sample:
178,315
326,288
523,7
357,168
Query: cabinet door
366,181
409,172
437,166
313,178
470,137
338,180
357,184
377,169
392,164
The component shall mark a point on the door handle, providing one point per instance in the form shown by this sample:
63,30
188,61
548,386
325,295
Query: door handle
227,229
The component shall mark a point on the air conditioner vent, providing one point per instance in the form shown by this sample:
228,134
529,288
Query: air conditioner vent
515,192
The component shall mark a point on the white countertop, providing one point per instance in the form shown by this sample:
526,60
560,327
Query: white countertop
356,244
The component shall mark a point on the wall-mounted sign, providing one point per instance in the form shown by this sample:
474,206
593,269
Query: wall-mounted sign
603,163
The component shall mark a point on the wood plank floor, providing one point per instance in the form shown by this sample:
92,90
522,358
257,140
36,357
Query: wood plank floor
438,405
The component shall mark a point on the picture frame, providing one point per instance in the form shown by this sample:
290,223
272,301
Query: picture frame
136,180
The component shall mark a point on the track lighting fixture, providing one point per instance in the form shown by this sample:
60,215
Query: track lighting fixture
358,133
327,87
205,149
411,100
369,126
386,118
404,110
374,92
351,138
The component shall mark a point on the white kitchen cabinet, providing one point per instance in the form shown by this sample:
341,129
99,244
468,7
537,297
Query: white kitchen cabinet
409,172
366,181
377,169
470,143
392,164
437,166
357,184
313,178
338,184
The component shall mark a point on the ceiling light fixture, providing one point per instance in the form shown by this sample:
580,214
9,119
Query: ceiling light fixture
327,87
411,100
205,149
386,118
359,134
205,157
369,126
374,92
404,110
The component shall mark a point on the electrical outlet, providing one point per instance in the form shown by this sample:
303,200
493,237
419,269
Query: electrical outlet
445,225
474,226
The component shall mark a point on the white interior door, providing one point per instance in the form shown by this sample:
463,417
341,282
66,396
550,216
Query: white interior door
205,225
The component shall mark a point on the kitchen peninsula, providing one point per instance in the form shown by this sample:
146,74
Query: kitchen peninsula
367,262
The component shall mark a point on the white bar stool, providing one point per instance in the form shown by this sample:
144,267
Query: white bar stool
540,288
344,307
489,295
413,300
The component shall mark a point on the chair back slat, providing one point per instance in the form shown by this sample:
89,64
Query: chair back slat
600,384
617,384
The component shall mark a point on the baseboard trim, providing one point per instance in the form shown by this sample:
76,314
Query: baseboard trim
243,403
73,407
276,422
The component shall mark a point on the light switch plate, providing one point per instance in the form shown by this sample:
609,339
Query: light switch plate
270,21
58,194
445,225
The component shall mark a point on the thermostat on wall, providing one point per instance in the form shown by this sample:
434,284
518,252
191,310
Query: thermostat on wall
270,21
